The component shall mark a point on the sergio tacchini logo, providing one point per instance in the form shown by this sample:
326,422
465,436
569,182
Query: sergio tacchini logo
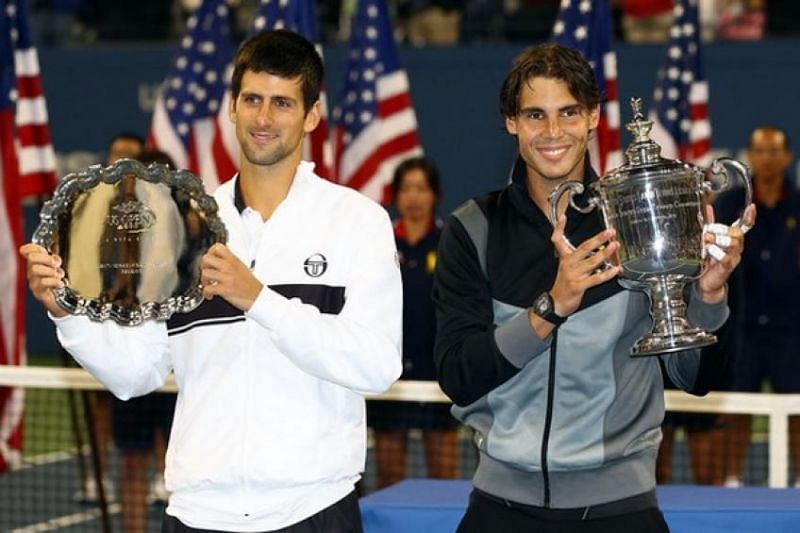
316,265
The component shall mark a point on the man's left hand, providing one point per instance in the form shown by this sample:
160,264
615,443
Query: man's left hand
223,274
724,246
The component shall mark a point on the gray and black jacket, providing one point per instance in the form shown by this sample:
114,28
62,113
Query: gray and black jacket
572,420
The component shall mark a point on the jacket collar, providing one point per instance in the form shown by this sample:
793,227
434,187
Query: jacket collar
304,169
518,187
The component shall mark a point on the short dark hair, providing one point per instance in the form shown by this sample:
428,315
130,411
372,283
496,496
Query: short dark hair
128,135
280,53
156,156
787,145
428,168
555,61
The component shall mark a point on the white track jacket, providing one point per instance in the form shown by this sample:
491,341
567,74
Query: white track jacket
269,424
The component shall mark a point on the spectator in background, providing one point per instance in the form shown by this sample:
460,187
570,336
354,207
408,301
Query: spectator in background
124,145
771,279
740,19
646,21
430,22
141,427
416,193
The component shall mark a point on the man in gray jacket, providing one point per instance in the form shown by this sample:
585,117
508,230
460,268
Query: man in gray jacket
533,340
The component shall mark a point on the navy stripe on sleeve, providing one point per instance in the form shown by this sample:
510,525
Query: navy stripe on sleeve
328,299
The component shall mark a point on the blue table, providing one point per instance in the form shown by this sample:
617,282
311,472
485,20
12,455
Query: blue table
428,505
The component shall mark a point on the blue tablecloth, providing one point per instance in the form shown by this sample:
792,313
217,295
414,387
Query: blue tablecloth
433,506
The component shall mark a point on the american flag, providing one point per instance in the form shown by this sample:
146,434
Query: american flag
27,168
681,124
300,17
190,108
585,25
375,123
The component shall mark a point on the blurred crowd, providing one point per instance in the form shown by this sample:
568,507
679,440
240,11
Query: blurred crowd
418,22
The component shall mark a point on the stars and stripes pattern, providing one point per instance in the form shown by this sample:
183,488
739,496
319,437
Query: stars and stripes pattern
585,25
27,168
300,17
190,111
680,115
22,94
375,122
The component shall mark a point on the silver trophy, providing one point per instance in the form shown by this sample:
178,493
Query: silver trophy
130,238
656,206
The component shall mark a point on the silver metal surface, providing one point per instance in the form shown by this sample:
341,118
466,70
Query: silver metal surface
131,238
657,207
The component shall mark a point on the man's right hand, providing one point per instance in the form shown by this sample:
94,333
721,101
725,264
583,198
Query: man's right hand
44,275
580,268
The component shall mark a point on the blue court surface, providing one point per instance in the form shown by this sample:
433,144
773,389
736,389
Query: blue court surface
434,506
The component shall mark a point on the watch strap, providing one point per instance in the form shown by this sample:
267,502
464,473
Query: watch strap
544,308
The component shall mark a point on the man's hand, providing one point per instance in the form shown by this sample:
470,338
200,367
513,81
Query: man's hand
724,246
579,269
223,274
44,274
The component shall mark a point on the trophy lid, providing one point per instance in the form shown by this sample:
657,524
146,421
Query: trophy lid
642,150
643,155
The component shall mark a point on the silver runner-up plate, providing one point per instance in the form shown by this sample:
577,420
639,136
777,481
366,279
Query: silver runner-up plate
130,238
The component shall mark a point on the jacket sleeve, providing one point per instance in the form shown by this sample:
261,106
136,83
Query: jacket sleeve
473,357
359,348
129,361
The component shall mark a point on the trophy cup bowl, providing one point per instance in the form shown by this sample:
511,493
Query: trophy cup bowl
657,207
130,238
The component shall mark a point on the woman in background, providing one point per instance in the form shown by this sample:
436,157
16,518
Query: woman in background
416,194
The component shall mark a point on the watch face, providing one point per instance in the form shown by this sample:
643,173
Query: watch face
542,305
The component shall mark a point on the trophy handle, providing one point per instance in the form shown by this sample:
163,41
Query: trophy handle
573,188
723,167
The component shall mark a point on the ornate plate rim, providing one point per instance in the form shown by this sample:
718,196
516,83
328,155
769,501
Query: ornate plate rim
76,183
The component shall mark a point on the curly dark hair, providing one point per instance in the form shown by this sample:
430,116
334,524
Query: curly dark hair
555,61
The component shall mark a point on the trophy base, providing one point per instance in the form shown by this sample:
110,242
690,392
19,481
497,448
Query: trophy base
671,331
661,343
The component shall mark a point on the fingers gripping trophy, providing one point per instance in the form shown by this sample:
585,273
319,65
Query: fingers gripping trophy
657,207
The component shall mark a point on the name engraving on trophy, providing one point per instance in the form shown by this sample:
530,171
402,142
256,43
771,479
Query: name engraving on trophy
123,238
657,205
654,212
131,217
133,268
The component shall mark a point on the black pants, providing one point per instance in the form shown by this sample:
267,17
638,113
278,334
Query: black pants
486,514
341,517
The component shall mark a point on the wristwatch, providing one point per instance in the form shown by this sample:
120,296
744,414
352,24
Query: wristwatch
543,307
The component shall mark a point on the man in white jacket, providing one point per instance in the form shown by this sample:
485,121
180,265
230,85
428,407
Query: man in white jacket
302,317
